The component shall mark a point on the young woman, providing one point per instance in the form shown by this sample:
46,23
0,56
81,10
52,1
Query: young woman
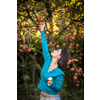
54,67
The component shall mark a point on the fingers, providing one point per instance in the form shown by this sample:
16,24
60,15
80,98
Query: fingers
49,83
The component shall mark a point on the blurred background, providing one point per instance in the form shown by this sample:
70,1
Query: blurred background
64,29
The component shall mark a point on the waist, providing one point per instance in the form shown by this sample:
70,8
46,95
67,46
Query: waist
47,95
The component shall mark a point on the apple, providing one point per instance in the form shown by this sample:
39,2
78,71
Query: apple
72,31
78,81
77,85
21,9
68,37
70,60
36,28
71,44
63,37
28,6
70,47
66,11
64,44
30,36
50,22
29,49
69,20
27,28
39,18
80,58
70,25
50,43
75,77
41,11
39,28
76,74
26,17
56,24
51,29
73,38
77,45
78,70
79,34
40,41
69,33
68,28
72,69
54,13
18,39
56,35
81,25
73,60
50,37
72,51
68,63
24,47
46,35
24,38
47,20
83,74
65,6
19,24
79,19
57,46
60,4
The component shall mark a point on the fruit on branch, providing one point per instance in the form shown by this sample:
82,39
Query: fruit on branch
73,60
72,69
39,18
51,29
71,44
29,49
56,24
50,42
70,47
75,77
78,81
24,38
69,34
63,37
77,45
70,25
50,37
40,41
18,39
24,47
80,58
77,85
27,28
73,38
72,51
30,36
46,35
69,20
19,24
64,44
76,74
68,63
57,46
28,6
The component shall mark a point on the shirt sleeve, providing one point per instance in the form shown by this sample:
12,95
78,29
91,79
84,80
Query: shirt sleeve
57,85
46,54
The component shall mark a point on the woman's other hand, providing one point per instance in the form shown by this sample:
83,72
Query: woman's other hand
42,25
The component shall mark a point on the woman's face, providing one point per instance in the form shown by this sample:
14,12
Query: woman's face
56,53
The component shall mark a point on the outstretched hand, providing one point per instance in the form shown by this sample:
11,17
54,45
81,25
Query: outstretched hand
42,25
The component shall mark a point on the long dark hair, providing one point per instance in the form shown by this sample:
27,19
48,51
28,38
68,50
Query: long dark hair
62,62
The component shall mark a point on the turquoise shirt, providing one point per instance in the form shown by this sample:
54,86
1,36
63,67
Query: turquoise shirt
56,74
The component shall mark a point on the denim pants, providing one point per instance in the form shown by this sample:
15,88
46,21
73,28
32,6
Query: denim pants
50,98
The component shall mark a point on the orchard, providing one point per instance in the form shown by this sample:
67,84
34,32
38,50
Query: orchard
64,28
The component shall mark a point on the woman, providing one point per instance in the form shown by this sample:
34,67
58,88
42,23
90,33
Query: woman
53,67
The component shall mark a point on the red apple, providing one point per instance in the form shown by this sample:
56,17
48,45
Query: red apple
76,74
72,69
73,38
39,18
50,22
41,11
78,81
83,74
56,24
78,70
69,33
50,37
72,31
36,28
51,29
75,77
73,60
46,35
77,45
66,11
24,47
27,28
70,60
71,44
63,37
30,36
24,38
47,20
64,44
79,34
39,28
60,4
21,9
80,58
40,41
18,39
70,25
79,19
57,46
29,49
69,20
65,6
72,51
19,24
56,35
68,63
68,28
70,47
50,43
77,85
28,6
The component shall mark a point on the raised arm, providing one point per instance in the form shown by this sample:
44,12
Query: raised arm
45,50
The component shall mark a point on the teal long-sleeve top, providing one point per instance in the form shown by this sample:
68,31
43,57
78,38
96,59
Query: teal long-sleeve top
56,74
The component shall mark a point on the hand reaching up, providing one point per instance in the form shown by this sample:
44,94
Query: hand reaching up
42,26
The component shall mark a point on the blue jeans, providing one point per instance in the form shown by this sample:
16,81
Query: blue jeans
50,98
